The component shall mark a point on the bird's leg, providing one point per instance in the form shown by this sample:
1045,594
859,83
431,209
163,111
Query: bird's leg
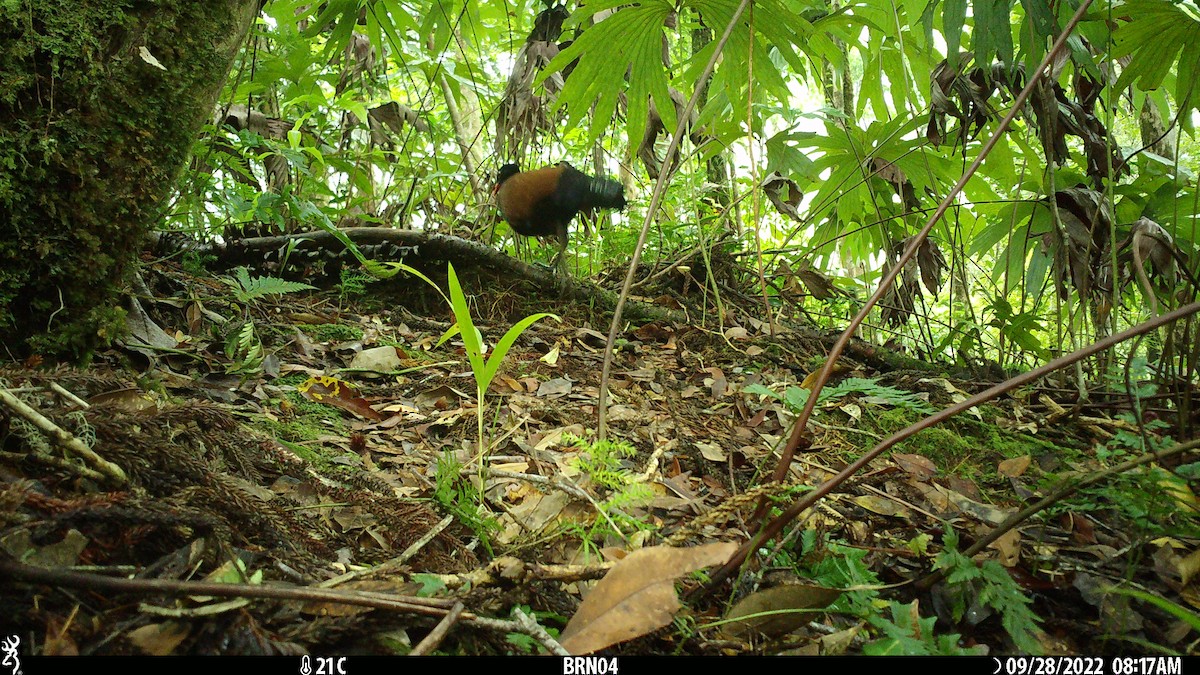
560,262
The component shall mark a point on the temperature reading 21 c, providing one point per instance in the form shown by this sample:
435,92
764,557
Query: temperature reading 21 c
325,665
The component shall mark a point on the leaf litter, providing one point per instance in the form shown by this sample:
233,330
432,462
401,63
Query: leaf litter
350,476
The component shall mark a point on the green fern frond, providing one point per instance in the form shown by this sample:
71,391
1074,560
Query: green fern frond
247,288
630,40
244,350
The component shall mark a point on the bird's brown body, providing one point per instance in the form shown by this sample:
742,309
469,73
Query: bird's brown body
542,202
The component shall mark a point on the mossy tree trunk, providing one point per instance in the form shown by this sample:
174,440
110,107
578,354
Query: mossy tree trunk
100,101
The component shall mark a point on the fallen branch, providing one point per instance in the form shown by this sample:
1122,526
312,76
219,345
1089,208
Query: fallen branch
63,438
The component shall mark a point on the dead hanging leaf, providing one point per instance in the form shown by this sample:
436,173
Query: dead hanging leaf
637,595
395,117
896,178
240,117
785,194
819,285
522,111
927,266
1015,467
149,58
932,264
356,60
1153,243
1080,247
655,127
334,392
776,611
972,87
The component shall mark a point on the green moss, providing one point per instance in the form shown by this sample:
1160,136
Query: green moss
92,136
292,380
963,445
333,332
303,452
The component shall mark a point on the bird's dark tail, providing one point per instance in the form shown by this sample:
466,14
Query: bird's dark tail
604,193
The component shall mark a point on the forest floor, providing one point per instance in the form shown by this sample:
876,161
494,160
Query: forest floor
323,451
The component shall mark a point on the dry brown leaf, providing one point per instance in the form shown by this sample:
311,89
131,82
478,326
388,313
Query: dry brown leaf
736,333
711,451
1189,567
1191,595
377,359
58,640
1009,547
339,394
784,193
777,611
159,639
63,553
438,398
130,400
1016,466
918,466
836,644
1081,528
882,505
340,609
978,510
559,386
637,595
719,385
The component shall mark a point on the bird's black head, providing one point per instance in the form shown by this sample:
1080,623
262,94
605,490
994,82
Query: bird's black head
507,171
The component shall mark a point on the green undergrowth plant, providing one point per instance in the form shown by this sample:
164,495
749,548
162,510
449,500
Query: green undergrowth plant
904,632
603,463
462,498
974,586
332,332
353,284
243,347
896,628
247,289
483,367
1150,500
1179,612
869,390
